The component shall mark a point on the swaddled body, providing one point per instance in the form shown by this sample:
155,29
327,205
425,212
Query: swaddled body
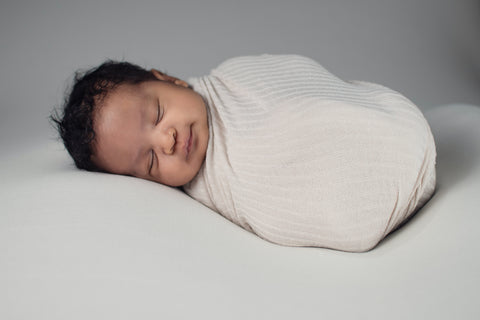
302,158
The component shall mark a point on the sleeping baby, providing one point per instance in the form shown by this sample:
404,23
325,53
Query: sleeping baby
274,143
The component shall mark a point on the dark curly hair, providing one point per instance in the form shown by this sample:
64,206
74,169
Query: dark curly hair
75,125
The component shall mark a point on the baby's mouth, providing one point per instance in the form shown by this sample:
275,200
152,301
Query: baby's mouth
188,143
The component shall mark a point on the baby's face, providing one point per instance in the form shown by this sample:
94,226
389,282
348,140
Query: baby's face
156,130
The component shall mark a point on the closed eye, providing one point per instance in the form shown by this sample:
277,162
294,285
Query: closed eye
151,163
158,114
153,153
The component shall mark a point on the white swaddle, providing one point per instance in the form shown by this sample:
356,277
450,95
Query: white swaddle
302,158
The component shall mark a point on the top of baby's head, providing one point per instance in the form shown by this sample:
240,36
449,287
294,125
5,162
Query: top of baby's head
75,126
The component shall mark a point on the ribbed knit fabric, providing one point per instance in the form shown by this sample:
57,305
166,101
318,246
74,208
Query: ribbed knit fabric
300,157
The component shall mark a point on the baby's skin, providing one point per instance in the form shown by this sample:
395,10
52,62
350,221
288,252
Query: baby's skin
155,130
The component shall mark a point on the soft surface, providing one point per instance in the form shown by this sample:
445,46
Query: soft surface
78,245
302,158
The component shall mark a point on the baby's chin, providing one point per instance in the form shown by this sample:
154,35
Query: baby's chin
175,181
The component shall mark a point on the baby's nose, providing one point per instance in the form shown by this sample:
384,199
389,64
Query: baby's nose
170,141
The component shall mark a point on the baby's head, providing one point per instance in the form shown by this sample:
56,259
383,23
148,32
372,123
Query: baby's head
120,118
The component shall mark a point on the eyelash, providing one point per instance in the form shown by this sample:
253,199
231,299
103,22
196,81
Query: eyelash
156,122
158,114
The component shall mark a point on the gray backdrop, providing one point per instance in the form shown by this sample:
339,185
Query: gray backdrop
427,49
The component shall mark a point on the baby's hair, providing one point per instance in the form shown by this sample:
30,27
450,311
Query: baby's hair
75,125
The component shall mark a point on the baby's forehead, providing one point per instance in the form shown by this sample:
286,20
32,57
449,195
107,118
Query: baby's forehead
125,93
116,123
120,97
128,91
123,98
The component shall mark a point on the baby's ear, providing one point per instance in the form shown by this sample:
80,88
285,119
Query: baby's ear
158,74
165,77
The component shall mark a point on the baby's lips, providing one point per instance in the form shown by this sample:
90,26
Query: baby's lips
188,142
